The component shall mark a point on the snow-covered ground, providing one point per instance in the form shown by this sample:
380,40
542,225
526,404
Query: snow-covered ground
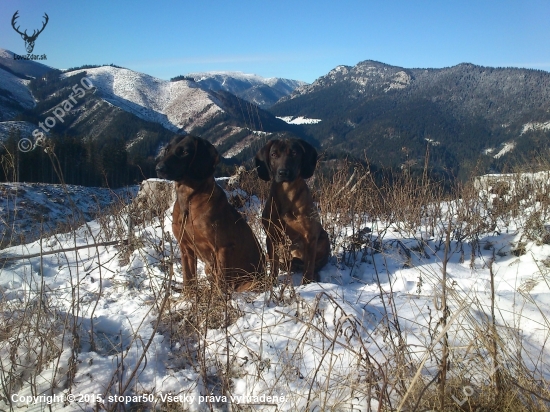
110,326
28,209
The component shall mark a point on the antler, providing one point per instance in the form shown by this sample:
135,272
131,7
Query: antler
34,34
29,40
15,16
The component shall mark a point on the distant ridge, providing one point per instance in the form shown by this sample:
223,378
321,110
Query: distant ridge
264,92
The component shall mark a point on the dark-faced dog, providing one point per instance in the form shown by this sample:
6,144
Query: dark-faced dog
205,225
289,212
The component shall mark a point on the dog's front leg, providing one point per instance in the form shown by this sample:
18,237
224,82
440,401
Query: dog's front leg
227,276
188,255
188,266
220,271
310,252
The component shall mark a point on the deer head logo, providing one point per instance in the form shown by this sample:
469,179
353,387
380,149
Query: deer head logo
29,40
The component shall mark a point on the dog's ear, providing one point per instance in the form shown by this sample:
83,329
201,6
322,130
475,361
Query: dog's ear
206,159
262,162
213,154
309,159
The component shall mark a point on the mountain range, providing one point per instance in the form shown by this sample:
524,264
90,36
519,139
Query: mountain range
462,116
144,110
263,92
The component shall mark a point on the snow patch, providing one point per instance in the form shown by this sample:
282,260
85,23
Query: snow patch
400,81
487,182
244,143
433,142
533,126
506,147
298,120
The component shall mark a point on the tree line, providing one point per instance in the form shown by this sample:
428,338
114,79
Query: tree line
73,160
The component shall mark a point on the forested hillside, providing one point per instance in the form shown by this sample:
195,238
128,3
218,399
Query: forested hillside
466,114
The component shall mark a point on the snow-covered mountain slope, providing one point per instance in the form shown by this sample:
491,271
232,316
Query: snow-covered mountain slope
17,87
261,91
14,95
365,76
180,105
23,68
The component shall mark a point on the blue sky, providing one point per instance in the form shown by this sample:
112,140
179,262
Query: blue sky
294,39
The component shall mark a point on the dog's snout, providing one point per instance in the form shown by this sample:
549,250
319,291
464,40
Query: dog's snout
283,173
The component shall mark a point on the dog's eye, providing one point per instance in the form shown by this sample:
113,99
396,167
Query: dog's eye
292,153
274,155
180,152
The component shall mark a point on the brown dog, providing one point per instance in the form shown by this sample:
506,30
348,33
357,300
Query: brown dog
204,223
289,211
